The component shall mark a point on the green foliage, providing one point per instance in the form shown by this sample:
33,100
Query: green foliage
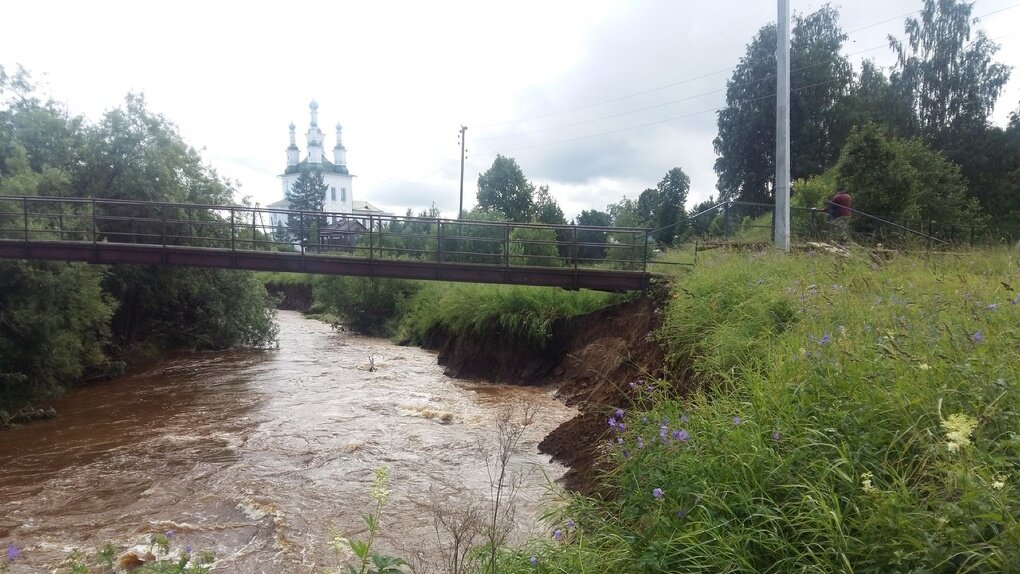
365,560
504,189
949,77
524,314
54,324
190,308
592,242
546,208
665,205
747,126
534,246
843,416
59,320
364,304
307,194
903,179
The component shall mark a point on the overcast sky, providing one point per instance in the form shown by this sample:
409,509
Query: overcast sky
596,98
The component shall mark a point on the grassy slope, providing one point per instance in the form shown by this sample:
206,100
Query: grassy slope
832,432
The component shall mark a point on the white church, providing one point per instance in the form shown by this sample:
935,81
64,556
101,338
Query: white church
339,196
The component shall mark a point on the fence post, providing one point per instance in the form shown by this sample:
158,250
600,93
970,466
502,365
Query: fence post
233,235
726,221
573,250
644,262
162,217
931,226
371,231
94,239
506,245
301,230
24,205
439,241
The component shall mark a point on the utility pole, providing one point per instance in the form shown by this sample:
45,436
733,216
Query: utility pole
781,216
463,154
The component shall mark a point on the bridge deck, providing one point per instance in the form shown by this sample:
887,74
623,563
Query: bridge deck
103,231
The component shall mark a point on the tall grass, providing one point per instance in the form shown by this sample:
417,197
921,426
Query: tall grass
853,415
510,313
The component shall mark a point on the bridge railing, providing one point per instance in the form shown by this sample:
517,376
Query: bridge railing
368,236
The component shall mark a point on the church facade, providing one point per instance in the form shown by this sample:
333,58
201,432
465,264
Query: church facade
339,196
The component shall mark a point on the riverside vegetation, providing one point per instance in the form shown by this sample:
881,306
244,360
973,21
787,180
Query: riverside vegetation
820,413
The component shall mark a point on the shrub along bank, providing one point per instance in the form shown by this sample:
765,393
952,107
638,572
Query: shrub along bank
850,415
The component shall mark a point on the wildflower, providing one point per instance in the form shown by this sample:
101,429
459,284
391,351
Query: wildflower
619,414
776,436
619,440
825,339
681,513
170,534
187,549
681,435
379,491
631,385
736,421
866,482
958,428
571,524
533,560
612,423
683,419
992,307
13,552
558,534
649,388
657,493
640,442
626,453
664,433
978,337
1000,482
842,330
924,366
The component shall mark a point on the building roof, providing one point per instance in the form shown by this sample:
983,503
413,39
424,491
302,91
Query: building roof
326,165
366,208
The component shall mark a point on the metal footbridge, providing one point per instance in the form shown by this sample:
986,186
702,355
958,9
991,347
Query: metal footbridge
109,231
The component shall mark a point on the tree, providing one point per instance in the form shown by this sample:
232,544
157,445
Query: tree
307,194
951,81
546,208
592,243
820,83
504,189
903,179
671,195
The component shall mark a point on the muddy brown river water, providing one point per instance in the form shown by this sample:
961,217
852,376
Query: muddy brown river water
254,455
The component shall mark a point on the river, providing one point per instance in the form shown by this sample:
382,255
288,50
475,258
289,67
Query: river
255,455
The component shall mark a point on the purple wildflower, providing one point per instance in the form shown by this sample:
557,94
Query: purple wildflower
776,436
533,560
612,423
571,524
664,433
681,435
619,414
558,534
825,339
13,552
170,534
187,549
619,440
978,337
626,453
683,419
640,442
737,421
681,513
649,388
657,493
631,385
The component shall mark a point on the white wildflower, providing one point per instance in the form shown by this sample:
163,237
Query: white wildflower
958,428
1000,482
866,482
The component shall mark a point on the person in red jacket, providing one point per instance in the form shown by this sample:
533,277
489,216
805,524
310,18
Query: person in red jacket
839,211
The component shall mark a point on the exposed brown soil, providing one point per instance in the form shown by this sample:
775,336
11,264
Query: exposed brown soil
591,359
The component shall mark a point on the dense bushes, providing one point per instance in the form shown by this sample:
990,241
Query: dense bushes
851,417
